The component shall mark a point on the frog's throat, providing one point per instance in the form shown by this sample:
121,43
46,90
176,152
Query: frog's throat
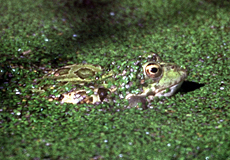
160,93
171,91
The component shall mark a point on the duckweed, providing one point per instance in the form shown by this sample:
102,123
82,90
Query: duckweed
194,124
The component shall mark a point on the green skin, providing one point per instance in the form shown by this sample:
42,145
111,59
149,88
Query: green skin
157,79
166,84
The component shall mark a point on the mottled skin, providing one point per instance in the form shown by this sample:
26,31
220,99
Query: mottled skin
157,78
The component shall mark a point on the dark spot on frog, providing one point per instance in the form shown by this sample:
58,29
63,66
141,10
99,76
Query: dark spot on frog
87,100
102,92
153,57
84,73
61,97
81,93
62,71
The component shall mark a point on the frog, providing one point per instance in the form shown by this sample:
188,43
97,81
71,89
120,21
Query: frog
94,84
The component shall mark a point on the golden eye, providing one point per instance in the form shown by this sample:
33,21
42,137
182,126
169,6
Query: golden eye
153,70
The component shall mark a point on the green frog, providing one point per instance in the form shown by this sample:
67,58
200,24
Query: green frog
146,78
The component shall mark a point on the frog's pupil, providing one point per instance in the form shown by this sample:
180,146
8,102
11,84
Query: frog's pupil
154,70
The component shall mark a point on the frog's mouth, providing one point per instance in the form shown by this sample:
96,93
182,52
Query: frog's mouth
171,91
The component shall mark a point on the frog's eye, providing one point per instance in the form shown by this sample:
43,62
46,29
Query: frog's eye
153,70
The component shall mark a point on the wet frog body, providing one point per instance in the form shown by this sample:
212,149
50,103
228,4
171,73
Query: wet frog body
80,75
155,78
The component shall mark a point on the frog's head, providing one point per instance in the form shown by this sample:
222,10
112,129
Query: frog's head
162,79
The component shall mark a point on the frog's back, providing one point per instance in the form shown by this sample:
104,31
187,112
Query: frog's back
75,73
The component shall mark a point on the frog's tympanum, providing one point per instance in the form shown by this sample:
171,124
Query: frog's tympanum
148,76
